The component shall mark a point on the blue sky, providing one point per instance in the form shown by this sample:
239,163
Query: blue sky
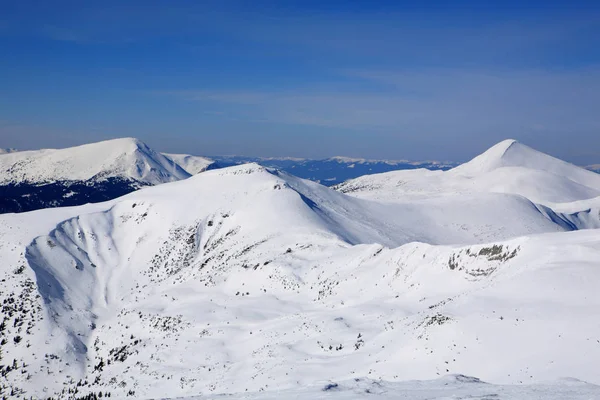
376,79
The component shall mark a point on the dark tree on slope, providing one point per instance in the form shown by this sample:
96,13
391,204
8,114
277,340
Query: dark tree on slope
28,197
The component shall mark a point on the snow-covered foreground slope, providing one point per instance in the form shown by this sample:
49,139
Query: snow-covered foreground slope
508,167
448,387
247,280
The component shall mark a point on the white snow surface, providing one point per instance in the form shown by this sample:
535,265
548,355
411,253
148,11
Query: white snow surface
450,387
125,158
508,167
191,164
251,283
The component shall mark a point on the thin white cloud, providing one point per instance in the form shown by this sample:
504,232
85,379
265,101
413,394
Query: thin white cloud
429,100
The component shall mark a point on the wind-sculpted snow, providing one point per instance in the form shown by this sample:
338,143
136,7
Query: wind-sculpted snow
250,282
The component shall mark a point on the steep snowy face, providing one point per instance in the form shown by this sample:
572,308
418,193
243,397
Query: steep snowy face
508,153
249,279
191,164
508,167
96,172
126,158
512,154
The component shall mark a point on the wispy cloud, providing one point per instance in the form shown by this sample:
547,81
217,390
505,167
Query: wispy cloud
439,99
421,38
410,74
397,35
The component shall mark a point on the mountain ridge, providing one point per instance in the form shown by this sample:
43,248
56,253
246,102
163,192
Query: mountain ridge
89,173
126,158
105,170
248,279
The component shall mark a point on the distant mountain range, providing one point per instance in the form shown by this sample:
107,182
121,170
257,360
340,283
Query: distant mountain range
101,171
330,171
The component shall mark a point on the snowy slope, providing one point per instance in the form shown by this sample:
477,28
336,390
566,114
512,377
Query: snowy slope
246,279
508,167
126,158
448,387
191,164
94,172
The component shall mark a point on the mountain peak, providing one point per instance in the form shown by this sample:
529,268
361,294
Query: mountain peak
507,167
529,172
125,158
124,145
507,153
504,146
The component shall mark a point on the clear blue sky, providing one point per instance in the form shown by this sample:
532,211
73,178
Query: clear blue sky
377,79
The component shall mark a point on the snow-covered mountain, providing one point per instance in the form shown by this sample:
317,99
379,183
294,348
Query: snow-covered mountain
191,164
90,173
250,281
508,167
102,171
126,158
